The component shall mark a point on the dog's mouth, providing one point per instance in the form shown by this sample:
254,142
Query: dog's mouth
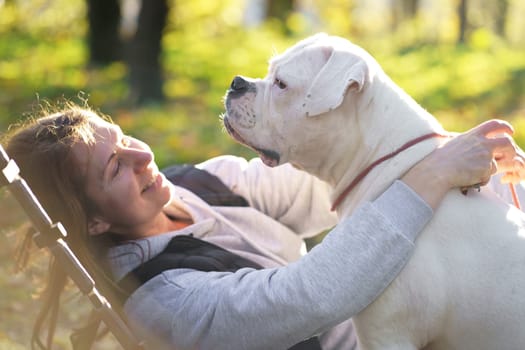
269,157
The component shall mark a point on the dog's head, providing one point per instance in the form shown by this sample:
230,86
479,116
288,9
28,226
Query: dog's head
283,116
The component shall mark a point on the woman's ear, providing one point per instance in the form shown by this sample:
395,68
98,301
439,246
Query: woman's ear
97,226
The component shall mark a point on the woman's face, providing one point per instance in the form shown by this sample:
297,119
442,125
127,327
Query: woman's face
123,182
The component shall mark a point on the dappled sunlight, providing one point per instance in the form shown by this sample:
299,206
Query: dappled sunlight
44,56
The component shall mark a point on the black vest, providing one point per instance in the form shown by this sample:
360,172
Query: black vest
188,252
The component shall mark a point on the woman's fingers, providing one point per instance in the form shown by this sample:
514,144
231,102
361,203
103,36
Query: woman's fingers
508,158
492,128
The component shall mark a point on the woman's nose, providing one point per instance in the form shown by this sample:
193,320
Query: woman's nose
138,158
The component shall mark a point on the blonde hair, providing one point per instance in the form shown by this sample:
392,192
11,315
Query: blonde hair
41,146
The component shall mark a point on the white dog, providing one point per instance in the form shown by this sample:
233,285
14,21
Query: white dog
327,107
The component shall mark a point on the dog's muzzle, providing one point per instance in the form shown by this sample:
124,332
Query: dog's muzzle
239,87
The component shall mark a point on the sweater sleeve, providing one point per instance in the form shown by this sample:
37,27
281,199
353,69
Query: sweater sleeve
291,196
276,308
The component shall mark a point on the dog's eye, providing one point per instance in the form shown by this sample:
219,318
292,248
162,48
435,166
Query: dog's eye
279,83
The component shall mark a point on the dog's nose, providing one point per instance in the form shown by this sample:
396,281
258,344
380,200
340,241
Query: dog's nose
239,84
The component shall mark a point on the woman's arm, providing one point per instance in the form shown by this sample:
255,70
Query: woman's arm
276,308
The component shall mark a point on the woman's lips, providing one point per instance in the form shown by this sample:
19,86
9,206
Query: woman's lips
153,184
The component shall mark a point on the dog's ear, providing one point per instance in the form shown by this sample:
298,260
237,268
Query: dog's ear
343,71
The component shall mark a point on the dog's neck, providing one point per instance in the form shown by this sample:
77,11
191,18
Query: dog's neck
386,118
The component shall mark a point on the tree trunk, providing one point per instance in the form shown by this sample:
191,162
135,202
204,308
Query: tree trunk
410,8
280,9
403,10
144,53
103,34
462,17
501,17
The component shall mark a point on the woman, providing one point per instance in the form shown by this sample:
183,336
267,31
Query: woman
120,211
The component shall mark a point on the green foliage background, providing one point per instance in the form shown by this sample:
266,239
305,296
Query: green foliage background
43,58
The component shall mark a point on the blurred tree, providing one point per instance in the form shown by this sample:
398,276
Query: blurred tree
502,7
491,15
144,53
462,18
403,10
140,48
103,34
280,9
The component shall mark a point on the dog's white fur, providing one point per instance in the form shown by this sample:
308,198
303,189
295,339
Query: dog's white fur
327,107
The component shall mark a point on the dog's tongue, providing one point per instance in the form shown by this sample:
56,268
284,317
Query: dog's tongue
270,158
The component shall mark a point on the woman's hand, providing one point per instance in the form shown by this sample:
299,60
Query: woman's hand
510,161
470,158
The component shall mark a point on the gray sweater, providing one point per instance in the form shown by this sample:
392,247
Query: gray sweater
297,295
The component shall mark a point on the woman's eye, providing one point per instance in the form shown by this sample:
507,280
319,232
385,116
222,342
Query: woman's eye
117,168
280,84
